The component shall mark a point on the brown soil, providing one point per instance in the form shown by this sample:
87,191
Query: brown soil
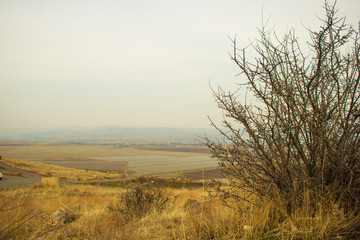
196,174
92,164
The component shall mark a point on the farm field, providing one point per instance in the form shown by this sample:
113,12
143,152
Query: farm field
153,164
189,161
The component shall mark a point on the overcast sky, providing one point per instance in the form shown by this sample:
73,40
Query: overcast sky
131,63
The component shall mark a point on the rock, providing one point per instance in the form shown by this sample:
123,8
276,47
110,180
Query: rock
248,228
60,217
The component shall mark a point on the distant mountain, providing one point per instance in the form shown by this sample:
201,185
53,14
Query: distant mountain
116,134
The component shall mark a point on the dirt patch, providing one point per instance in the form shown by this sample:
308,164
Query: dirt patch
181,149
207,174
196,174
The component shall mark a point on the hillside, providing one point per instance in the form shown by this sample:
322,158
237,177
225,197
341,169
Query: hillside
144,209
108,134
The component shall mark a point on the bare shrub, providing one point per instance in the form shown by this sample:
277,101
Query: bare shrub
140,200
299,135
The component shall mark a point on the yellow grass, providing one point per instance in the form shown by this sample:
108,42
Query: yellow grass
50,170
25,214
49,182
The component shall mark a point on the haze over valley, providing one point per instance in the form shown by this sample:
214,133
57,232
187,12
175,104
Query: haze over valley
109,134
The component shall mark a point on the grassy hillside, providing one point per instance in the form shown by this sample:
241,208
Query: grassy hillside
155,208
50,170
48,210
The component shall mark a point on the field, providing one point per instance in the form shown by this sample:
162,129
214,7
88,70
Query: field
189,161
109,206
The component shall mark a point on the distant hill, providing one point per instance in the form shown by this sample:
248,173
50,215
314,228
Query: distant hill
113,134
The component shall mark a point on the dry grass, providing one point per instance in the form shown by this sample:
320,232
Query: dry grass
29,209
49,182
50,170
25,213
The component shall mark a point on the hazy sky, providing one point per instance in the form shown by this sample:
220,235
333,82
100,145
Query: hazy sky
130,63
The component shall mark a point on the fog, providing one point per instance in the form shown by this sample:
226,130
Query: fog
131,63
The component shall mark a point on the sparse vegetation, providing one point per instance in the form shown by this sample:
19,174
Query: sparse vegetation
295,176
152,181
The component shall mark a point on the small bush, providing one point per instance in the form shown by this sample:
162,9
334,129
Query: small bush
140,200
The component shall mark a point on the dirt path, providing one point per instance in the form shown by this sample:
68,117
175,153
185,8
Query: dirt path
17,181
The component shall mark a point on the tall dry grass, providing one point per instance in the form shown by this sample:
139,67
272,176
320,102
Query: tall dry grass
25,213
